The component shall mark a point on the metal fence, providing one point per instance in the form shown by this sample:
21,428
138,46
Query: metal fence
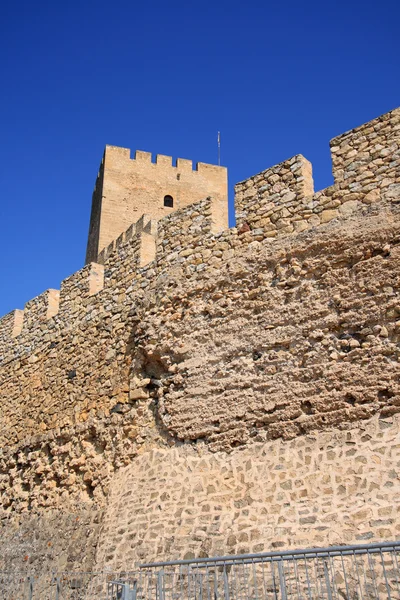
361,572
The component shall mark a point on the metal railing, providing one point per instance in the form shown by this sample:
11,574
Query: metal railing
359,572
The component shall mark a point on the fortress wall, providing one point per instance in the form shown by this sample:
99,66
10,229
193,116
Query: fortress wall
366,169
184,229
38,311
277,341
64,539
187,238
223,340
366,159
10,327
284,185
133,250
282,336
122,262
184,242
93,249
77,289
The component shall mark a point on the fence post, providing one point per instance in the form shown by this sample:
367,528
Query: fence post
282,582
160,584
215,585
124,593
327,580
226,584
134,591
57,581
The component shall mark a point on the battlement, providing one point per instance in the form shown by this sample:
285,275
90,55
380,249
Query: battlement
128,187
278,202
11,325
365,165
141,157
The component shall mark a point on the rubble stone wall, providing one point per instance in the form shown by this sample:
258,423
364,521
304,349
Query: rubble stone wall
281,201
65,539
215,345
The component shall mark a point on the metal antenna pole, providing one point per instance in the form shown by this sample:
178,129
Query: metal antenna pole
219,148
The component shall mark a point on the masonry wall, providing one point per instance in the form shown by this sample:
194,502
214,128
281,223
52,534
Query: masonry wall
190,346
281,200
65,538
92,248
321,489
126,188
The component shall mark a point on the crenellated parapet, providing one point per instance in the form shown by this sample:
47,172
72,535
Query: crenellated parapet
40,309
133,249
10,326
77,290
185,229
366,158
52,311
284,186
253,369
366,164
278,202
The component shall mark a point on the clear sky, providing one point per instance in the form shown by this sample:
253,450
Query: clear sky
277,78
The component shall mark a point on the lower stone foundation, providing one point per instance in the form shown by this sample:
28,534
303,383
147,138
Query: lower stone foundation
333,487
62,540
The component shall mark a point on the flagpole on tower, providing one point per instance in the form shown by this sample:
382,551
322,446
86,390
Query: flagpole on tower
219,148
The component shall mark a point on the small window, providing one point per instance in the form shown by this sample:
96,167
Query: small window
168,201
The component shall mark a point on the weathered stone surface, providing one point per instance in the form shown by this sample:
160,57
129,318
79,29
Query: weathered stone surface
365,168
246,381
372,196
328,215
66,538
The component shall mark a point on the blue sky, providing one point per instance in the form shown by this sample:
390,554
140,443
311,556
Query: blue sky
276,78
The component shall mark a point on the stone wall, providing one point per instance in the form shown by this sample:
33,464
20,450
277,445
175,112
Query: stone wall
366,158
281,201
65,539
213,346
327,488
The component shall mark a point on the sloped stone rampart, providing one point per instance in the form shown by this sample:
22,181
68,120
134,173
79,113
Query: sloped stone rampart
320,489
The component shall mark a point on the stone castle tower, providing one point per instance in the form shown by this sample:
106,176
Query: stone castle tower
127,188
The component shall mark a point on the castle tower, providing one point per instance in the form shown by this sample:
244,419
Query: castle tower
127,188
